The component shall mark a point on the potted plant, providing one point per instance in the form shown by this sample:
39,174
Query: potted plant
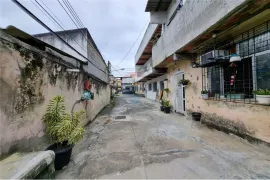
204,94
167,90
64,130
184,82
162,105
167,106
263,96
235,95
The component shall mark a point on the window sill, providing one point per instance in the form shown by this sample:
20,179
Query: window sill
242,101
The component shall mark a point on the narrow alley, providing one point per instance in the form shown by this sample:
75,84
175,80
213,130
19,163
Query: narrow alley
133,139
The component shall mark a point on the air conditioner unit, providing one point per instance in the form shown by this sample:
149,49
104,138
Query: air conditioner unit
213,55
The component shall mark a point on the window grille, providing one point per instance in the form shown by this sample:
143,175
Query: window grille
161,85
155,86
150,87
226,81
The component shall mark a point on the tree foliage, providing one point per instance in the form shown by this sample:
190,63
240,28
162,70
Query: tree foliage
63,126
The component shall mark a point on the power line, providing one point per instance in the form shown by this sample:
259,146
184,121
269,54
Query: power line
74,13
78,27
52,12
56,22
132,45
49,29
64,29
68,14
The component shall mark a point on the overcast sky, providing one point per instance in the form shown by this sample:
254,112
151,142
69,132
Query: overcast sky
113,24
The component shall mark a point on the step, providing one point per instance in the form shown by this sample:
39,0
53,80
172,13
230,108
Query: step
28,166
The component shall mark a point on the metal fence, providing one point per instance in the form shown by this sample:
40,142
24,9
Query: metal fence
236,81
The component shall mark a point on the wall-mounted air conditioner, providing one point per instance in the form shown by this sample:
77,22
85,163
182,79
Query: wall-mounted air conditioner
213,56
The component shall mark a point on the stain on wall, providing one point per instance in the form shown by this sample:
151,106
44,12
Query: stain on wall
29,79
250,119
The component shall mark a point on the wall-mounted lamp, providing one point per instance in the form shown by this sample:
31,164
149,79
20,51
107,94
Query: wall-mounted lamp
73,70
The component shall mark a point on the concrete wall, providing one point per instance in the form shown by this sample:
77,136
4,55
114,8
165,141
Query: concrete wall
248,119
29,79
77,39
152,94
95,57
146,38
191,20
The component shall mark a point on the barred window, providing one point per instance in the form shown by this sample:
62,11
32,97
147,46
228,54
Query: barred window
155,86
149,87
236,81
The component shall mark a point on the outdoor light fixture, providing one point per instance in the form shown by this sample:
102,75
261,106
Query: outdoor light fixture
235,57
73,70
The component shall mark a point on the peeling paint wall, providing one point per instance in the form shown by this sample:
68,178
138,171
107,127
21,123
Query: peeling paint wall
29,79
250,119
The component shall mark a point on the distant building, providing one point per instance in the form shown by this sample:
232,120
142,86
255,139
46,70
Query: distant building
82,41
127,83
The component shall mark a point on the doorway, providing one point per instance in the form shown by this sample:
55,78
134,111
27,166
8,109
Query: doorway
179,100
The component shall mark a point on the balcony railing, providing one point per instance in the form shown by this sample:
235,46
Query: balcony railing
147,67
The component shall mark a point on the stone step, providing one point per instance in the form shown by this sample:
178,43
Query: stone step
28,166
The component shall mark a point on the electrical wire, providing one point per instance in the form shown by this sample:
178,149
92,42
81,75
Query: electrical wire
99,65
132,45
52,13
74,13
63,28
49,29
90,43
57,23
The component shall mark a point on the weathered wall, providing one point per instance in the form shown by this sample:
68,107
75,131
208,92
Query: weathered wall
248,119
146,38
80,40
191,20
29,79
151,94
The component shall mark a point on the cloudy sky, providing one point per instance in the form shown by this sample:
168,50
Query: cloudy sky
114,24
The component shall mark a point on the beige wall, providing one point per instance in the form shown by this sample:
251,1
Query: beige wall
250,119
28,82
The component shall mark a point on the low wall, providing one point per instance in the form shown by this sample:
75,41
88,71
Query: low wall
29,79
250,119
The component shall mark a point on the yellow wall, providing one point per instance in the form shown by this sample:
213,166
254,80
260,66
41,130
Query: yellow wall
250,119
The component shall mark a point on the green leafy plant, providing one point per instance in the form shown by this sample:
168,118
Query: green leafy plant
184,81
262,92
162,102
62,126
166,103
167,90
204,92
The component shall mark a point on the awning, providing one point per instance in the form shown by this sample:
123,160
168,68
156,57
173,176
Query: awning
157,5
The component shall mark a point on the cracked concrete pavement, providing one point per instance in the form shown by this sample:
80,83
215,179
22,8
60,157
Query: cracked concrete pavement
149,144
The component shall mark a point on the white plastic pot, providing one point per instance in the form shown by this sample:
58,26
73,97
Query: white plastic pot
263,99
204,96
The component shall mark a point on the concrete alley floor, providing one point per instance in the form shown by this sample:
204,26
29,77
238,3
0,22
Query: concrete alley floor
146,143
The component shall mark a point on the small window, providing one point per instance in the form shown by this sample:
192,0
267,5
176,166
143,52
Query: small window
263,71
161,84
150,87
155,86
